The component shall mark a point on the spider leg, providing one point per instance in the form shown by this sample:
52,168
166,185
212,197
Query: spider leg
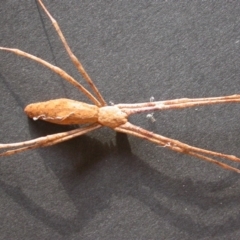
176,104
47,140
74,59
178,146
55,69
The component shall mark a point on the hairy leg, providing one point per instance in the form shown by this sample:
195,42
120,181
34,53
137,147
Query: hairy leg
55,69
176,104
46,141
74,59
178,146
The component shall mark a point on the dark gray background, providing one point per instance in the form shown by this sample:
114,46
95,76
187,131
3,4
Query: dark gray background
108,186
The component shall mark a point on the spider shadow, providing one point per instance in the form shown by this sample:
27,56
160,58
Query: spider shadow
91,173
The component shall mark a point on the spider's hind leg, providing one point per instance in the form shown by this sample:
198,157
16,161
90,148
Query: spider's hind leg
45,141
74,59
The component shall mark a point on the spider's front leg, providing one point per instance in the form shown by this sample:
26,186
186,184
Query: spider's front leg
178,146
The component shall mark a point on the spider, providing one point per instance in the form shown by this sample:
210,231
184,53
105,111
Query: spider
99,114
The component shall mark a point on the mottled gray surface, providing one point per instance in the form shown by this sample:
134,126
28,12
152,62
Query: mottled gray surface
103,186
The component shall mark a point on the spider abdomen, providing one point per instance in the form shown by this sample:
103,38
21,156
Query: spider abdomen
63,111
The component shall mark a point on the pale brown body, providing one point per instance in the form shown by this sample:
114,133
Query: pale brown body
67,112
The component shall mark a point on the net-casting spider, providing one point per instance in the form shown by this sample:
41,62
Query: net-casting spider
67,112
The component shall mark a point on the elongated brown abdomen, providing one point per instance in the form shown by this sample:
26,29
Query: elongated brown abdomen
63,111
